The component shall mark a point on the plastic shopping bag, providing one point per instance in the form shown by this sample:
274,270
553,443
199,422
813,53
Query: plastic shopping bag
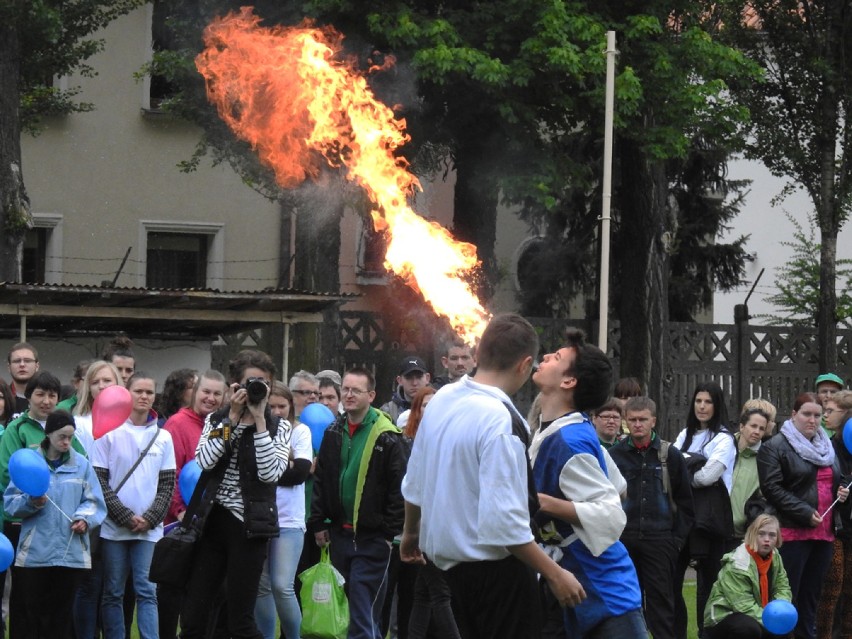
325,609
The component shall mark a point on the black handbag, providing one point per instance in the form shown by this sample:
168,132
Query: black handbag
174,554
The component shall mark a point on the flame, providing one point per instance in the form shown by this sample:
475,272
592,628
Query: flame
283,90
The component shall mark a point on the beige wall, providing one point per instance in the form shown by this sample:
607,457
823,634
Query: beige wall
104,172
100,174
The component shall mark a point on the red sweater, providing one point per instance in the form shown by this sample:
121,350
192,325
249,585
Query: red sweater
185,427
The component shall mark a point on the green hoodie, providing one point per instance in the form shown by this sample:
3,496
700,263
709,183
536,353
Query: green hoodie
23,432
355,456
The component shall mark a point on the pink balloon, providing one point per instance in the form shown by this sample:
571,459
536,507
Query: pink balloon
111,409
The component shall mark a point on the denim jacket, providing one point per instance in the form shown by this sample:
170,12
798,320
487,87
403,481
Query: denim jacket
649,512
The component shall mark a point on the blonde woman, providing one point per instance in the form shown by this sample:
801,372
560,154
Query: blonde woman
99,375
751,576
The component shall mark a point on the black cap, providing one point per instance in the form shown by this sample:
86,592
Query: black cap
412,363
58,419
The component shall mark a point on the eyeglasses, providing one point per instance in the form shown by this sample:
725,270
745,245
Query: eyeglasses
23,360
609,418
355,392
827,411
307,393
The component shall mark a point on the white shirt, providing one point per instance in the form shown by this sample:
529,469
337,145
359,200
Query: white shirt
84,432
291,499
468,474
722,448
117,451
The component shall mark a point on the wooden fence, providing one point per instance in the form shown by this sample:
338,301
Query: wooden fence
775,363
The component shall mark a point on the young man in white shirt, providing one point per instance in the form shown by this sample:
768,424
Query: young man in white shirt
468,499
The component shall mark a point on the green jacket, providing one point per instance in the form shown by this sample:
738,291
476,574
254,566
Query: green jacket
68,404
23,432
360,489
354,462
744,484
737,589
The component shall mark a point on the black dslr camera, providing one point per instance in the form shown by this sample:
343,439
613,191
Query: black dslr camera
256,389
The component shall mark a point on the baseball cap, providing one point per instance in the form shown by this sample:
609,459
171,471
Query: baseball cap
829,377
412,363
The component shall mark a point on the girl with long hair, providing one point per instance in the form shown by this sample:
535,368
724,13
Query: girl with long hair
710,452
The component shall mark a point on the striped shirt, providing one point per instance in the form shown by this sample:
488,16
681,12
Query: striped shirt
271,455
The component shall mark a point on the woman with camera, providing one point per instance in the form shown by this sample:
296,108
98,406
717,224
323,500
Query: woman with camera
246,449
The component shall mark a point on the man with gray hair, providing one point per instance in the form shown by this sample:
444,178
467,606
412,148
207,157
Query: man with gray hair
329,388
305,389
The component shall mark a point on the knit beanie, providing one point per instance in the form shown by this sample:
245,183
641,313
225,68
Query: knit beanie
58,419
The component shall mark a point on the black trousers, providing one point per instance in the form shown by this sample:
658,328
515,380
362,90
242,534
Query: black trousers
48,594
224,554
708,563
432,611
495,599
656,563
737,626
16,622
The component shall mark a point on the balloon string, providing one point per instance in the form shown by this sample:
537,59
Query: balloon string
58,508
70,539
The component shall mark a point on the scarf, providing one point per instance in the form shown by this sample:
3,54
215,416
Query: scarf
817,451
763,566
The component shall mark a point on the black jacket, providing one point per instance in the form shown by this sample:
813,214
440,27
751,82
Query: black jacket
649,513
788,482
381,509
260,510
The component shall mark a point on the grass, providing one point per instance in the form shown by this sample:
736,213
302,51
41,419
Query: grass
688,595
689,598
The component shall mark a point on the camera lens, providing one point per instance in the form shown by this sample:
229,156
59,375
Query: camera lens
256,390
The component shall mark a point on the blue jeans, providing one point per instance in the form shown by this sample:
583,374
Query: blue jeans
119,559
630,625
275,591
88,599
363,562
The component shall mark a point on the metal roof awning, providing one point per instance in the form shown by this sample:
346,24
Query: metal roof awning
67,310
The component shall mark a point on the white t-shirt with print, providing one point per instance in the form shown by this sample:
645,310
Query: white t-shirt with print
117,451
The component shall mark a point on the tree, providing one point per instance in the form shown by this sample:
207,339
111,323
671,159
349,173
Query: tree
515,90
38,41
798,284
800,126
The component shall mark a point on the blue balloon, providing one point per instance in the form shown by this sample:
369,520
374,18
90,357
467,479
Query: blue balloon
847,435
188,479
317,417
780,617
29,472
7,552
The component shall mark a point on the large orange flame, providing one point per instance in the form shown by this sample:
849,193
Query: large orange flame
283,90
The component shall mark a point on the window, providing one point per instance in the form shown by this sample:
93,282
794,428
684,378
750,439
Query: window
35,256
176,260
180,254
42,256
157,87
372,246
